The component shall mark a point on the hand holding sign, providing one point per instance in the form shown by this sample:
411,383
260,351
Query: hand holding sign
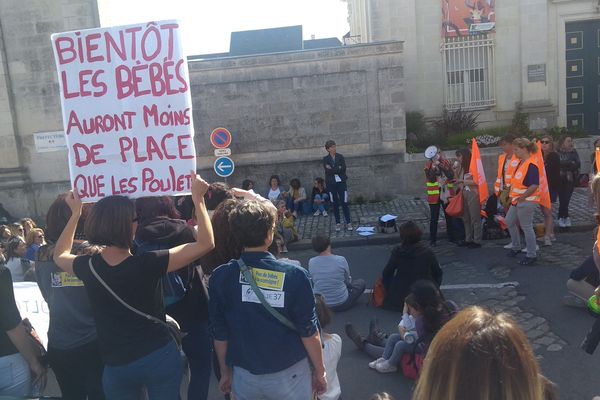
199,188
74,202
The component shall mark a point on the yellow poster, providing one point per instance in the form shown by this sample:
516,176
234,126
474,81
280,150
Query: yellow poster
266,279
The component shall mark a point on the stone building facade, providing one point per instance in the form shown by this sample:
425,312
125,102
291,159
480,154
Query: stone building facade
532,57
281,108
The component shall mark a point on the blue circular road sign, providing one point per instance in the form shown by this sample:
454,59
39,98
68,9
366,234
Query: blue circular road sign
224,166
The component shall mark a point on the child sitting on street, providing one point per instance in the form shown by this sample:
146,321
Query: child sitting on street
399,343
332,350
289,226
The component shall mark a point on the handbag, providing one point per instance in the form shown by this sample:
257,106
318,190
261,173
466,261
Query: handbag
173,330
261,297
411,365
455,205
378,295
504,197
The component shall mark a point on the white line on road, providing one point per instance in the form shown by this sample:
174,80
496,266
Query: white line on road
472,286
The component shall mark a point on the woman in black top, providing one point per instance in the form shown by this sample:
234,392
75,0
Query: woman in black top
409,262
18,363
136,351
569,175
552,166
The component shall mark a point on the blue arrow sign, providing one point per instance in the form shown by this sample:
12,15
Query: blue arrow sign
224,166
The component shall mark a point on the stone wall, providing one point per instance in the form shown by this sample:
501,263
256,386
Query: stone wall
281,108
29,98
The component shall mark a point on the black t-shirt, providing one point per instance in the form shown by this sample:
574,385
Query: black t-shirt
9,314
123,335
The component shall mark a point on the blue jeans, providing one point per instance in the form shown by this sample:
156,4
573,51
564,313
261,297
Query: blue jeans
197,347
318,197
160,372
395,347
293,383
338,192
294,206
15,378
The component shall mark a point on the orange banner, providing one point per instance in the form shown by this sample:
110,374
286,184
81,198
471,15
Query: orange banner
544,190
468,17
476,170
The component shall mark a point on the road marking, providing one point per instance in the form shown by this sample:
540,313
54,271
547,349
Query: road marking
473,286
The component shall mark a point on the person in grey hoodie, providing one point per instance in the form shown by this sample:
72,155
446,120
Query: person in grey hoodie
73,350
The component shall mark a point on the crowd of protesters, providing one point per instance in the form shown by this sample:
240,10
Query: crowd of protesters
111,273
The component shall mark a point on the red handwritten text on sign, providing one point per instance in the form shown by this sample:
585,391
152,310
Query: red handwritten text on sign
126,110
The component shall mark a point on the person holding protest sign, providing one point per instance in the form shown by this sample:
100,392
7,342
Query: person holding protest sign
73,350
137,350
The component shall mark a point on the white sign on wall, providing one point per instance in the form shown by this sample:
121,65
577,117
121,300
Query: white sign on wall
127,110
46,142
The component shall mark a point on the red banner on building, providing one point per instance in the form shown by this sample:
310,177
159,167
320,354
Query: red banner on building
468,17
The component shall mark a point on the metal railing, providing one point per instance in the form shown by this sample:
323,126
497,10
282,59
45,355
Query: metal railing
469,72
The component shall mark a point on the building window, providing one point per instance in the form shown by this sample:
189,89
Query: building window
469,72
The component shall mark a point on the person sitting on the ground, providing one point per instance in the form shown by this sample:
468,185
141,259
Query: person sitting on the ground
261,356
16,229
275,193
382,396
433,310
247,184
5,233
402,342
289,224
34,240
409,262
582,282
27,224
320,197
296,197
332,350
331,276
489,357
20,268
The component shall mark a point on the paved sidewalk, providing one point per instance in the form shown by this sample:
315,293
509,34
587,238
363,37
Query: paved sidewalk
416,209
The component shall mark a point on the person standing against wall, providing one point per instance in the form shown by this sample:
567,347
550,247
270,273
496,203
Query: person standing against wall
569,175
335,179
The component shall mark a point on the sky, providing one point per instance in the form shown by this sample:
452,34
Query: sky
207,24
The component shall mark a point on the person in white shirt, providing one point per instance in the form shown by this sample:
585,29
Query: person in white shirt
332,351
275,193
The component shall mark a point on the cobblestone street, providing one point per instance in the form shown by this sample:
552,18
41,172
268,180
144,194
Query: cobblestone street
416,209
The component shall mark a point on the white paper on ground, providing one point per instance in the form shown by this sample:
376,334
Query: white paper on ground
387,217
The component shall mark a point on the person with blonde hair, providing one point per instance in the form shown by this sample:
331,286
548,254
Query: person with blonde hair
478,355
34,240
525,198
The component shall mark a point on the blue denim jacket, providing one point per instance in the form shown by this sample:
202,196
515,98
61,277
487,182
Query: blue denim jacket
256,340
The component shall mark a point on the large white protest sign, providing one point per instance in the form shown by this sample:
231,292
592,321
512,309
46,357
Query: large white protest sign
126,110
32,306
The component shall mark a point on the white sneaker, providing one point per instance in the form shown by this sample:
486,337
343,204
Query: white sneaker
349,227
561,223
509,246
547,241
385,367
324,213
524,249
567,222
316,214
373,364
338,227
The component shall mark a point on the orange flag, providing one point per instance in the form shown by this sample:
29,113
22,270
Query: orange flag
476,170
543,188
597,159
